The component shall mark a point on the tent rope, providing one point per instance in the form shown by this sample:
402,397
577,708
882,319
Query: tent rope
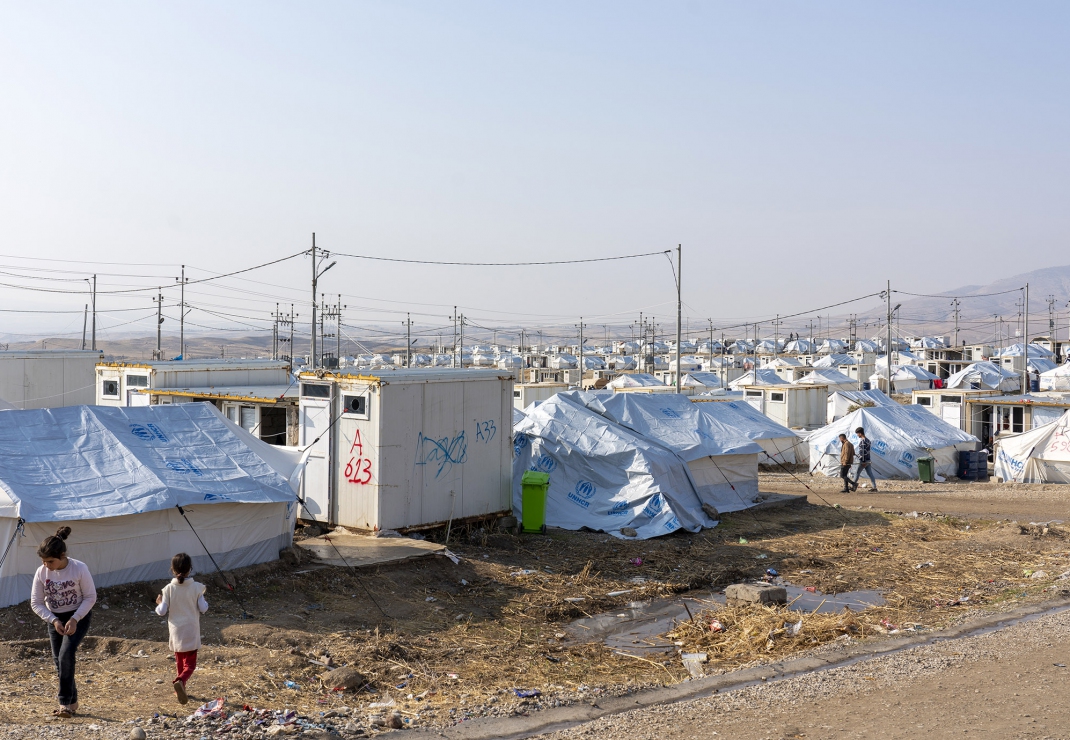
232,589
788,471
20,527
344,561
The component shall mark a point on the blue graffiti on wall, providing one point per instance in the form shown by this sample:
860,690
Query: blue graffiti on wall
443,453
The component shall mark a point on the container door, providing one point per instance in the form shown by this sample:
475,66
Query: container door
951,413
315,410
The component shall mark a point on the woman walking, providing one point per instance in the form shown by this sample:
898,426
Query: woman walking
63,596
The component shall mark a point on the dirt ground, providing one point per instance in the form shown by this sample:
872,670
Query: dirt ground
443,643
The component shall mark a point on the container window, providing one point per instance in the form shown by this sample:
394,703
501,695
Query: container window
248,418
516,393
950,399
355,405
137,381
315,390
753,394
110,389
925,400
776,397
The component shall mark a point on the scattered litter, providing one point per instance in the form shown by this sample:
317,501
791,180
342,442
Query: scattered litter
793,629
939,478
213,708
292,685
619,593
574,599
430,598
811,589
742,540
762,556
693,663
527,693
456,560
104,606
464,582
452,675
771,572
388,702
1059,665
716,626
929,564
386,533
524,572
805,572
636,561
417,536
1039,574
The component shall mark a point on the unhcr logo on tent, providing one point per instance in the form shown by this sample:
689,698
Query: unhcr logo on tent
879,446
906,459
544,464
147,432
673,524
653,507
621,508
671,413
519,444
1015,465
183,466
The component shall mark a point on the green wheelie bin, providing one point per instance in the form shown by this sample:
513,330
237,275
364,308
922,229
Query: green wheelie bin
533,501
926,469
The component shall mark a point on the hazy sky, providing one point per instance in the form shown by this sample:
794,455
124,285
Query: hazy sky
802,153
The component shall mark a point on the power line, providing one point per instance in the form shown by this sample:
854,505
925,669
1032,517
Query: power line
497,264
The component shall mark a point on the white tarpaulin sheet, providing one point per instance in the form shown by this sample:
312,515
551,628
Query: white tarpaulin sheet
898,436
634,380
1041,455
1057,379
779,444
841,403
761,376
985,375
834,379
116,476
625,461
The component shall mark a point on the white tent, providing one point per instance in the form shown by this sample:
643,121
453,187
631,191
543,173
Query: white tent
761,376
510,362
1057,379
832,346
779,444
621,362
841,403
834,379
117,475
1018,350
902,357
1041,455
638,461
1041,365
898,436
905,378
987,376
634,380
866,345
782,362
562,362
835,360
928,343
687,364
800,346
701,380
766,346
593,362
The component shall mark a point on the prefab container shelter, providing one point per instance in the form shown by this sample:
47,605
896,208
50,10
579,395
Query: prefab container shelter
403,449
123,383
792,406
525,394
37,379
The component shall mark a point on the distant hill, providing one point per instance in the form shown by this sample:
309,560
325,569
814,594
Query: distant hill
980,303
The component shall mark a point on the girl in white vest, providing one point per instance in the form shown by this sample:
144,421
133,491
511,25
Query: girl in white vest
182,602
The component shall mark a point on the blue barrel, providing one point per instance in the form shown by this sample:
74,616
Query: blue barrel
866,386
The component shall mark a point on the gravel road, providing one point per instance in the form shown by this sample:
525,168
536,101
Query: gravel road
1010,683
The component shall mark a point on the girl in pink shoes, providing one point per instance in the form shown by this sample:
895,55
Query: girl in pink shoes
63,596
182,602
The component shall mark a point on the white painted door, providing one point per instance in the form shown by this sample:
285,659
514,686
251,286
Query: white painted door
135,398
315,426
951,413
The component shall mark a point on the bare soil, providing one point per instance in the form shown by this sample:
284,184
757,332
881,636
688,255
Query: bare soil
447,642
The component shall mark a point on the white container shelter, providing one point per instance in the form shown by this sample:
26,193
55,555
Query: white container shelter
37,379
403,449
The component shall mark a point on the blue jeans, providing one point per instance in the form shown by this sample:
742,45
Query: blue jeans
63,649
868,467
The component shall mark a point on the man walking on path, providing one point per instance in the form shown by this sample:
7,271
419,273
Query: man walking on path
864,462
847,456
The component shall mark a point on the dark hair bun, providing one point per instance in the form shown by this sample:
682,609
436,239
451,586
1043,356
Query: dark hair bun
62,532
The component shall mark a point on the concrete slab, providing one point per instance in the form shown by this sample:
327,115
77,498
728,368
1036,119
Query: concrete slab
361,551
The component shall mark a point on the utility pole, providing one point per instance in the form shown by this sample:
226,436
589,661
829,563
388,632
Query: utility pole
182,315
315,278
460,333
275,334
888,349
85,320
159,322
776,336
283,320
711,342
1026,386
955,305
679,311
581,353
94,313
1051,320
454,318
408,340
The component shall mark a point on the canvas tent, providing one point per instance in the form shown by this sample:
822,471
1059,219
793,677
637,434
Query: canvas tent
841,403
115,475
761,376
905,378
985,376
1018,350
779,444
701,380
834,379
1041,455
634,380
835,360
800,346
1057,379
639,461
898,435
